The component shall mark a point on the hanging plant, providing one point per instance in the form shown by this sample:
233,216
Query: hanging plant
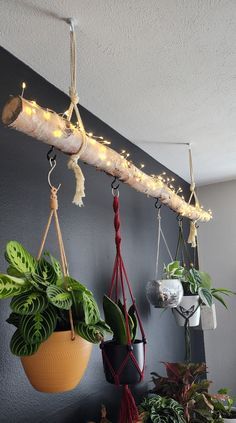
41,297
166,292
124,355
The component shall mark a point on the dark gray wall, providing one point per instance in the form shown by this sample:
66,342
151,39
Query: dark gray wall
89,241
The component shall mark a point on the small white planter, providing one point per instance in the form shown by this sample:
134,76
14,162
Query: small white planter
187,306
164,293
208,319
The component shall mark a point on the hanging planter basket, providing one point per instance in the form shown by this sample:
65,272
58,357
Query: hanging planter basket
163,293
188,310
114,357
208,320
124,356
59,364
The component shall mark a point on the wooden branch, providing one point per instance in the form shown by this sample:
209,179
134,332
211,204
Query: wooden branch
50,128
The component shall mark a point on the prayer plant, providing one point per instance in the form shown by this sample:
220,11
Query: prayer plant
157,409
41,299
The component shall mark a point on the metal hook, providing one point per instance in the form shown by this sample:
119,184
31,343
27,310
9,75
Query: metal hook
53,164
48,154
113,183
156,204
114,189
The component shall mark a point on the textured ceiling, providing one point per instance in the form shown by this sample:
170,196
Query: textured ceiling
155,70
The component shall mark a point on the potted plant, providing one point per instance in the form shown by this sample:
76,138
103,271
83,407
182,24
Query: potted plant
157,409
167,292
115,351
186,384
41,300
223,407
198,291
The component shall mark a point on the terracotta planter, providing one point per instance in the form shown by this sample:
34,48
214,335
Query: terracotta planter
188,304
165,293
59,364
116,355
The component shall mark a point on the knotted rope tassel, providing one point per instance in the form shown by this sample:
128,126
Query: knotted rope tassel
128,409
74,98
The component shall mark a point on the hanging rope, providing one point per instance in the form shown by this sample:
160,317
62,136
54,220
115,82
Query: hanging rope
73,160
192,238
182,252
64,264
159,235
128,409
187,336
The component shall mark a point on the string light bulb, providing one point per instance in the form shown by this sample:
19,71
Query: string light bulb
23,86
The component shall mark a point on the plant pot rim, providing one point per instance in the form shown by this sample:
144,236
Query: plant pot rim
111,342
191,295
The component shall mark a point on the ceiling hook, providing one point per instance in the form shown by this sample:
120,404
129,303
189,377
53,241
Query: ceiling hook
53,164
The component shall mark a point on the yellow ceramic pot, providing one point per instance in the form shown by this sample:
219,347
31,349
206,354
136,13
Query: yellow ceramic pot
59,364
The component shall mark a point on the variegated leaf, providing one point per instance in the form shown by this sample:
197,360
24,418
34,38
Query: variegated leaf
20,347
19,258
36,328
29,303
11,286
59,297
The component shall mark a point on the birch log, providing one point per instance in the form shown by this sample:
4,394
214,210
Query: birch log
47,126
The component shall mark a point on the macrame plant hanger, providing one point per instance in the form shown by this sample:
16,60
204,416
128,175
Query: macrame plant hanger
73,160
192,239
54,213
183,252
120,285
160,234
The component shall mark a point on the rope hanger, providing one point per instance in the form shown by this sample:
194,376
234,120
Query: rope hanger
74,97
160,235
54,213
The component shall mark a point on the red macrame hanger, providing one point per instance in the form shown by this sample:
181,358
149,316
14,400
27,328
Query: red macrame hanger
119,285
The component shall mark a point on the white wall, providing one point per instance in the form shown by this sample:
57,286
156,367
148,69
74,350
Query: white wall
217,255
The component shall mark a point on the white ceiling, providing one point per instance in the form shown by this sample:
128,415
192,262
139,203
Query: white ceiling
155,70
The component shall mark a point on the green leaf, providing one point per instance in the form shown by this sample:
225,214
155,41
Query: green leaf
29,303
206,296
135,321
59,297
37,281
20,347
36,328
90,333
11,286
220,299
206,281
91,311
14,319
55,264
19,258
74,285
46,271
12,271
115,319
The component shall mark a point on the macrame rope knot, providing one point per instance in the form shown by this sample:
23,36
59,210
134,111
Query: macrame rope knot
117,223
74,97
192,187
53,199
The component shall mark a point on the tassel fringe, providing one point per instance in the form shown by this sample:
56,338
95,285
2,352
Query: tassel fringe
128,409
192,238
79,178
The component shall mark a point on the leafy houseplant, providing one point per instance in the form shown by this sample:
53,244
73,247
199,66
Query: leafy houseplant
198,290
185,383
116,349
157,409
41,298
223,407
168,291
